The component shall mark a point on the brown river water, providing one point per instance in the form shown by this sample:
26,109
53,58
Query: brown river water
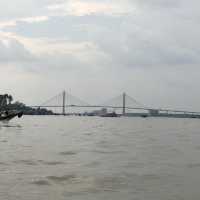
91,158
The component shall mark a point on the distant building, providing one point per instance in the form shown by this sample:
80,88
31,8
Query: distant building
103,111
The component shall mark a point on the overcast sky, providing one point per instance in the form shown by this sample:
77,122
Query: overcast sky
96,49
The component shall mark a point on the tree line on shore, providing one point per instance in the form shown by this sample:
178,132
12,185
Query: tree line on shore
6,104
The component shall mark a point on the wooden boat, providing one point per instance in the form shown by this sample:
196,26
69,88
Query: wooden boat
8,115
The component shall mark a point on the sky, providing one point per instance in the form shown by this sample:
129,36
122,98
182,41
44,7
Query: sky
97,49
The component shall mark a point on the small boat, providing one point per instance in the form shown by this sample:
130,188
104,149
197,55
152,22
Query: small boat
6,111
113,114
8,115
144,116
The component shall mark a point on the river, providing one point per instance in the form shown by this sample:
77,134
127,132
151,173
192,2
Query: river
93,158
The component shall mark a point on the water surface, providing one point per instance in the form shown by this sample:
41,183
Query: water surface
80,158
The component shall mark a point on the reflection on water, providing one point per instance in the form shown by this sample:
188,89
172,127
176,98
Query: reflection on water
68,153
7,125
76,158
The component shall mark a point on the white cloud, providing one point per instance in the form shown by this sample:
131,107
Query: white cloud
11,51
9,23
81,8
34,19
29,20
102,48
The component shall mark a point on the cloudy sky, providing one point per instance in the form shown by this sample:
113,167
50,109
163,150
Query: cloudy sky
96,49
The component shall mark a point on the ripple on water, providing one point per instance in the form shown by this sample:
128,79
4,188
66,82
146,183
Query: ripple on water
107,152
116,183
41,182
25,162
4,141
151,177
92,185
112,183
68,153
61,179
193,165
51,162
3,163
54,179
197,147
134,164
93,164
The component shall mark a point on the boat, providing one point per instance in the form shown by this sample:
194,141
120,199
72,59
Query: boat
6,111
144,116
113,114
10,114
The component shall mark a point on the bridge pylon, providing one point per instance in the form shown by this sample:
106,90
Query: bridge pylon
63,105
124,104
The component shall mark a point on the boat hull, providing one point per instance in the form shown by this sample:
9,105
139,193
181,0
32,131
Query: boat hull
110,115
10,115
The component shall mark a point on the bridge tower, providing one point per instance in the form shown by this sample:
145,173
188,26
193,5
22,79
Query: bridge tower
124,104
63,106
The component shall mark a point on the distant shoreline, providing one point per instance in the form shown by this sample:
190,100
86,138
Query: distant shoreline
130,115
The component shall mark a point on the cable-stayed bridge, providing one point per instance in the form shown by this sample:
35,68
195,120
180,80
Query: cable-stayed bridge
123,104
